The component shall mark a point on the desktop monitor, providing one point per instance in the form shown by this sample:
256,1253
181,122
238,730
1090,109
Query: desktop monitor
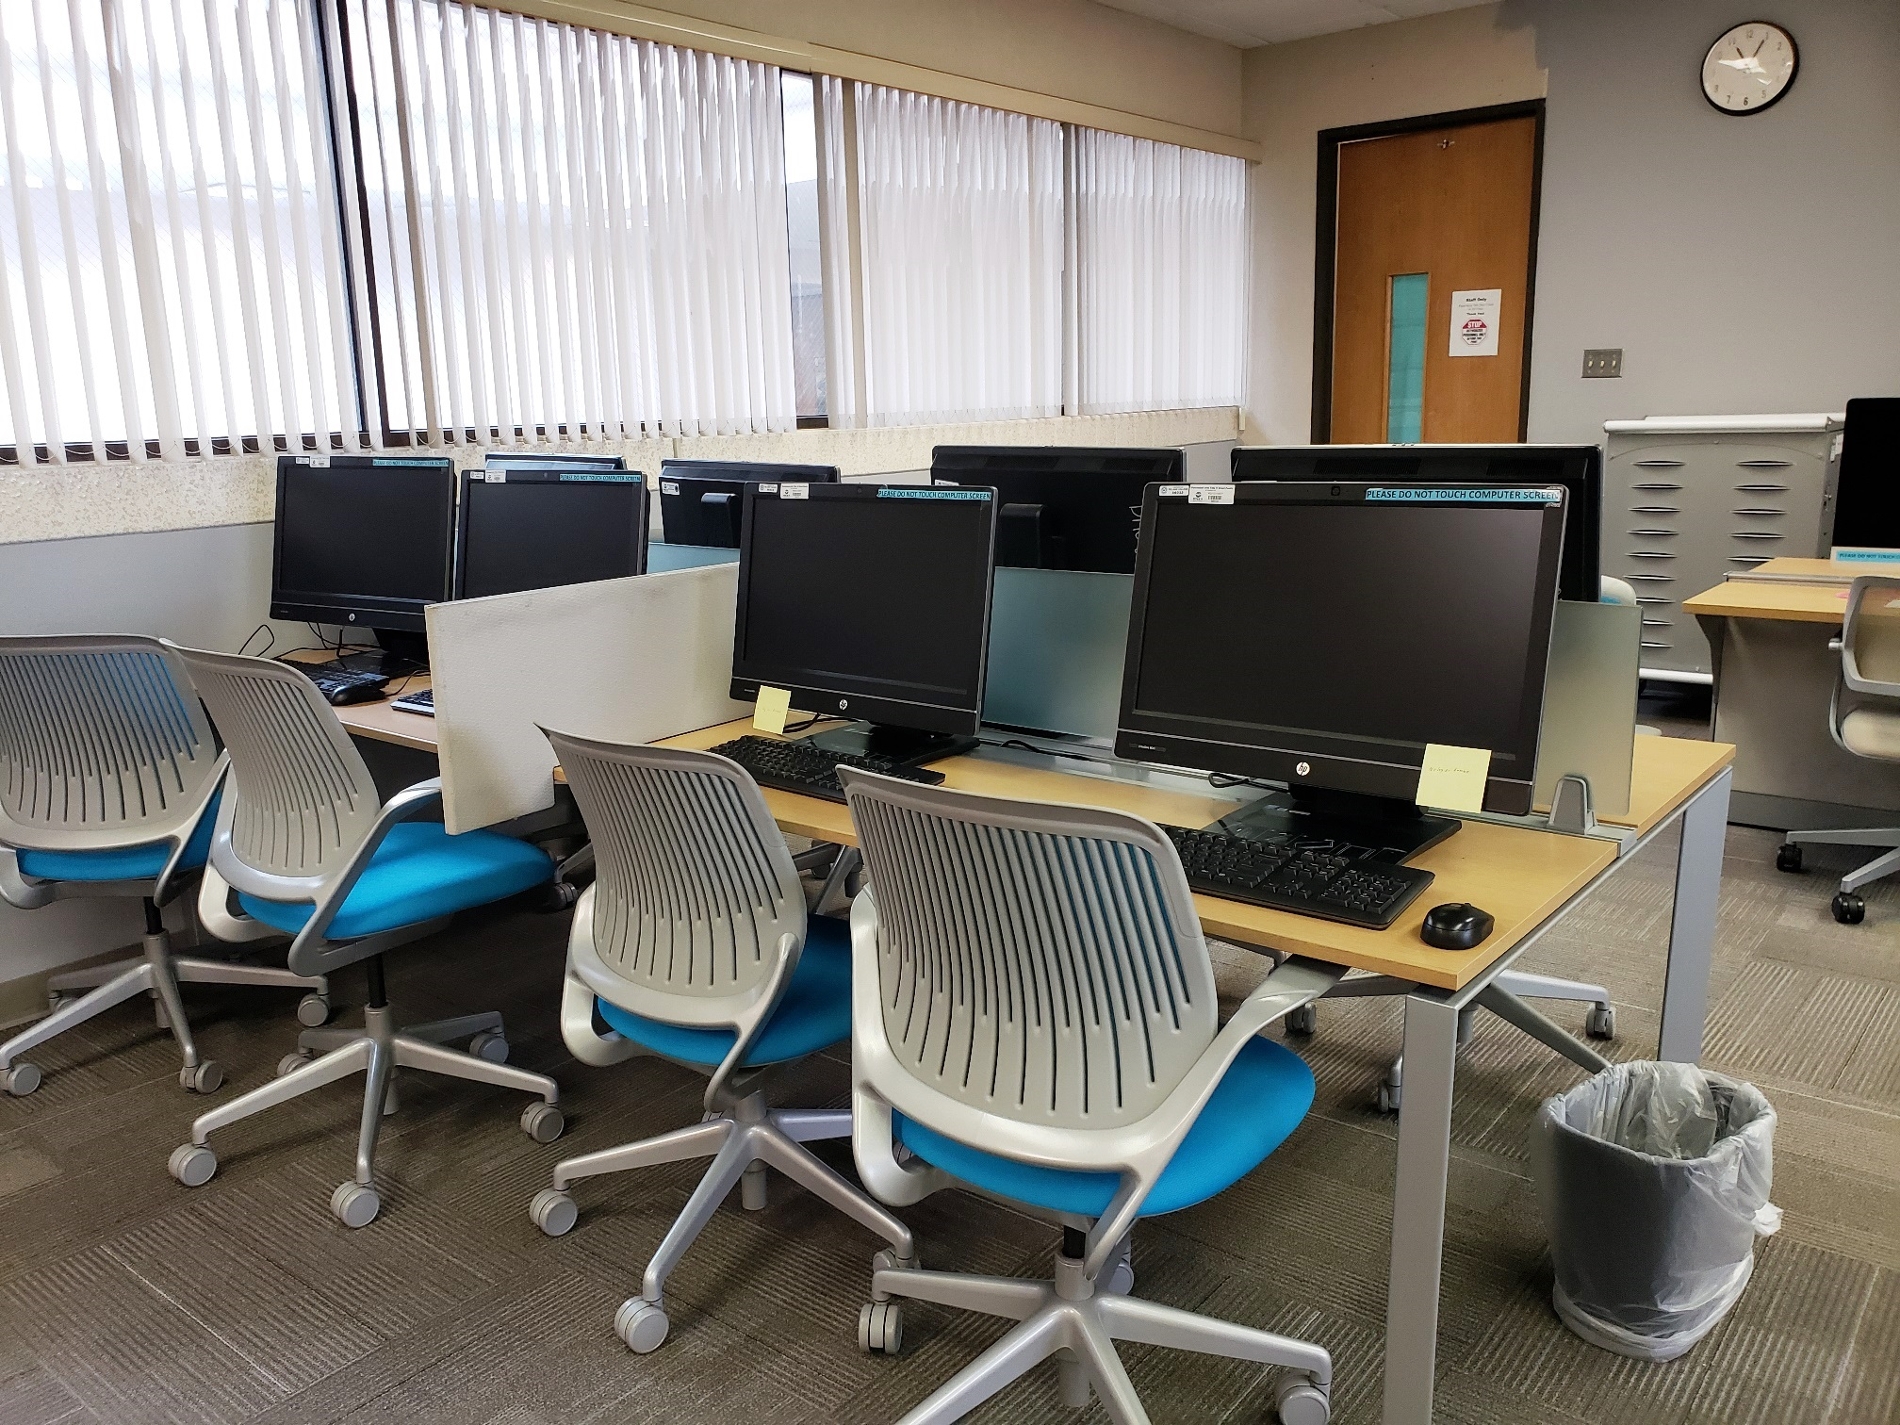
1059,507
1322,635
701,501
871,601
538,528
1867,489
1578,468
551,460
363,541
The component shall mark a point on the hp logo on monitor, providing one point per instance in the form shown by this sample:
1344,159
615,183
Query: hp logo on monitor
843,703
1305,769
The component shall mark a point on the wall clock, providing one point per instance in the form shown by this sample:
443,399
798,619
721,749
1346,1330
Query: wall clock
1749,68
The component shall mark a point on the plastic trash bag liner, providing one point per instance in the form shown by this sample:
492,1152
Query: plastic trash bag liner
1654,1182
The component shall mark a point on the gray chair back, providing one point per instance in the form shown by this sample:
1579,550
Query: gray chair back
102,744
1039,962
1870,641
300,800
694,887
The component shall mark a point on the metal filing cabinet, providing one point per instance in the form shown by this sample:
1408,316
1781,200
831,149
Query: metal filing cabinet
1688,500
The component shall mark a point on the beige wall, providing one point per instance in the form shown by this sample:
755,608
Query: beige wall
1071,49
1458,60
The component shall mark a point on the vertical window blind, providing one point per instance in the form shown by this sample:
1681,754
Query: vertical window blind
1160,276
960,215
169,268
573,234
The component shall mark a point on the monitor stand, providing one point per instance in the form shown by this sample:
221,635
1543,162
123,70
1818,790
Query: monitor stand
1344,823
397,654
908,745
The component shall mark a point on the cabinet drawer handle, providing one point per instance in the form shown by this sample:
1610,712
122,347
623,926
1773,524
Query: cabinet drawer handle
1651,578
1764,465
1654,553
1657,623
1654,510
1755,534
1764,513
1648,643
1657,464
1653,599
1762,488
1656,533
1749,560
1658,486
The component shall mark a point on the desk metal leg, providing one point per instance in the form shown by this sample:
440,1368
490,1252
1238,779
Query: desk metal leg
1692,925
1418,1207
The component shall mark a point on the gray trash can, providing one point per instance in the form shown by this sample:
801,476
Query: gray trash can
1654,1181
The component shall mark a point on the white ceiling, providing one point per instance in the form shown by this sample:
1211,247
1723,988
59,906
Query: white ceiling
1247,23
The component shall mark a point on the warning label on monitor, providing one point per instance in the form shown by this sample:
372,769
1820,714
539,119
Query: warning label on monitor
1210,494
1466,494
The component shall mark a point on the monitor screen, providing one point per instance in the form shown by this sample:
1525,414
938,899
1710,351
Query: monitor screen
1061,507
536,529
362,540
703,501
868,600
1578,468
552,460
1867,492
1322,635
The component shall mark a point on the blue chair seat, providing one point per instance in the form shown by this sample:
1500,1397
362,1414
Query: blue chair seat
419,872
1258,1102
814,1013
122,863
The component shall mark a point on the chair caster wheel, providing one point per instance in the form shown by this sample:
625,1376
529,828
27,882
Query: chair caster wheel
543,1122
881,1327
313,1011
290,1063
1848,908
1121,1279
1788,857
56,999
556,897
21,1079
1390,1096
205,1077
193,1164
1601,1023
885,1259
355,1205
553,1211
642,1324
1301,1401
1304,1020
490,1045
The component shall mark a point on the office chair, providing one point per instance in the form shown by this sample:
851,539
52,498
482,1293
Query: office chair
693,944
1033,1015
108,772
309,849
1869,646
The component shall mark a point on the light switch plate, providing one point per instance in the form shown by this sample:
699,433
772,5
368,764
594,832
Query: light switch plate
1599,361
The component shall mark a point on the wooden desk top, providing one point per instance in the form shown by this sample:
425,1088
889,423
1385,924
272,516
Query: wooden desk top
1667,772
1796,603
1520,876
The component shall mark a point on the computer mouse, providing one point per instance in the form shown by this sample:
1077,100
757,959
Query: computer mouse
341,695
1456,925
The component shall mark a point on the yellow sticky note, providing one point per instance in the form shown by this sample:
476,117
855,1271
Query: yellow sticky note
768,715
1453,777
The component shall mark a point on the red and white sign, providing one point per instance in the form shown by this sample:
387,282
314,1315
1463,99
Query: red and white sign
1474,321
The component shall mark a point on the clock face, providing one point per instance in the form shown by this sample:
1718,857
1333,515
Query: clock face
1749,68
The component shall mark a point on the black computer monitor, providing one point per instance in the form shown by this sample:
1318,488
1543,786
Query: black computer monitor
870,601
535,529
1867,488
1578,468
1322,634
702,501
363,541
551,460
1061,507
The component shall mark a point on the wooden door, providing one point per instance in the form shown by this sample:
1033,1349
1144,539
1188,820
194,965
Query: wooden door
1423,217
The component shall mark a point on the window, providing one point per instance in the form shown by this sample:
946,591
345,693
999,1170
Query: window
170,276
807,261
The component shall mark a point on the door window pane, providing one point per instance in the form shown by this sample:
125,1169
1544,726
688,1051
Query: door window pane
1405,371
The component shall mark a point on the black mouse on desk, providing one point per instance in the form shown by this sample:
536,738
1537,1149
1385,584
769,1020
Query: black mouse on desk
1456,925
343,694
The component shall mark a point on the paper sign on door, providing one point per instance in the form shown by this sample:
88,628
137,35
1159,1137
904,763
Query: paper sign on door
1474,322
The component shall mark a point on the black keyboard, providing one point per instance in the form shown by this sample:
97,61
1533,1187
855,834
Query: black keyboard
341,686
1282,876
811,771
422,702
